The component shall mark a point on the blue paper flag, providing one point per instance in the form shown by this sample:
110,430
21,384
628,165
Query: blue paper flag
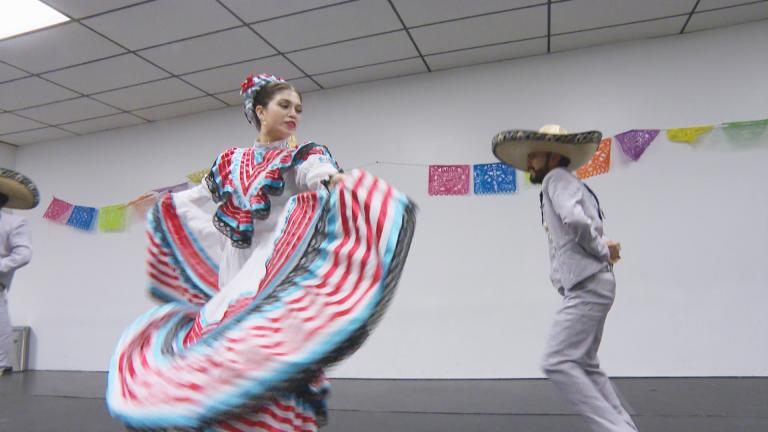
82,218
494,178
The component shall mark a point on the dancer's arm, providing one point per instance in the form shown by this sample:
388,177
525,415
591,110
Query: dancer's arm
312,172
567,199
21,250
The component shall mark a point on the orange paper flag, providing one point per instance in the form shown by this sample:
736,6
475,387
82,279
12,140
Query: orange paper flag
600,162
143,203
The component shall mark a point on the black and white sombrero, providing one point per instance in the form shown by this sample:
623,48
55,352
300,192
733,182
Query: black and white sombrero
21,191
513,146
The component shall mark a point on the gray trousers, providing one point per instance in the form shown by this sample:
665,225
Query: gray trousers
570,359
6,331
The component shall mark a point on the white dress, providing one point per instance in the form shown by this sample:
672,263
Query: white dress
306,177
269,278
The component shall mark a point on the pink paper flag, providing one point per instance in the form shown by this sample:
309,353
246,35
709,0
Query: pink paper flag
449,179
58,210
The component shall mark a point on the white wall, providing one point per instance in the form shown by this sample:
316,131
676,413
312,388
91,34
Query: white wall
474,300
7,155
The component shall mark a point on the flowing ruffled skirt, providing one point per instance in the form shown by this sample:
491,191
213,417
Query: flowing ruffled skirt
255,360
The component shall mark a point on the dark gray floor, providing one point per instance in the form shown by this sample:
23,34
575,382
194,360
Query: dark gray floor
73,401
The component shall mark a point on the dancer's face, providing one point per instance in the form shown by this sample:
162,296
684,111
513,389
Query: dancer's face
539,166
281,116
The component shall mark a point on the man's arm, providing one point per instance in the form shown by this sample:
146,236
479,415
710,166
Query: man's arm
20,249
567,199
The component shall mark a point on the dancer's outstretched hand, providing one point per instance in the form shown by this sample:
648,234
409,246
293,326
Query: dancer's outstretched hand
334,180
615,249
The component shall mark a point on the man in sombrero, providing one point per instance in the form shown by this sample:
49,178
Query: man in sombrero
582,262
16,192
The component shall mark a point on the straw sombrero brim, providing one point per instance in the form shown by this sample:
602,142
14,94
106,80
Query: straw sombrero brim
22,192
513,146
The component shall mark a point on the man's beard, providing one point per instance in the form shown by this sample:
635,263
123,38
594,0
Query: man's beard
537,176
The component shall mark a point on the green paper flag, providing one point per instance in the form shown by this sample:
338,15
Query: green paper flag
197,176
112,218
739,124
745,130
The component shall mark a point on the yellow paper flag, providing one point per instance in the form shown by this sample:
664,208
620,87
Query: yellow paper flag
687,135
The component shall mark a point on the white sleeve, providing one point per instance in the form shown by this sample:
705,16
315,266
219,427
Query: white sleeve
21,249
567,198
311,173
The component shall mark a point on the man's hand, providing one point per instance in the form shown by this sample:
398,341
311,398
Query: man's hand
615,249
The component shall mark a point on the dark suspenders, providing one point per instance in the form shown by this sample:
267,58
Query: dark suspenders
600,213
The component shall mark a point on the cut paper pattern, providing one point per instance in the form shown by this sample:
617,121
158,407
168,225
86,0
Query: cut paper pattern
82,218
600,162
687,135
634,142
112,218
494,178
448,179
142,204
58,210
745,130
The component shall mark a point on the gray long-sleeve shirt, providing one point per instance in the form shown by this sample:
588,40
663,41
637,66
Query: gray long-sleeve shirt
572,219
15,246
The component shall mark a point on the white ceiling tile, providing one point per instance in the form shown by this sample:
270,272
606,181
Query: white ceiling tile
328,25
489,29
83,8
10,72
231,97
35,136
372,73
360,52
251,11
68,111
29,92
103,123
107,74
725,17
488,54
705,5
586,14
229,77
180,108
150,94
304,85
209,51
10,123
162,21
664,27
55,47
418,12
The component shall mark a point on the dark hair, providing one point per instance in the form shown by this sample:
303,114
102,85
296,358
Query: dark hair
3,200
265,95
564,161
